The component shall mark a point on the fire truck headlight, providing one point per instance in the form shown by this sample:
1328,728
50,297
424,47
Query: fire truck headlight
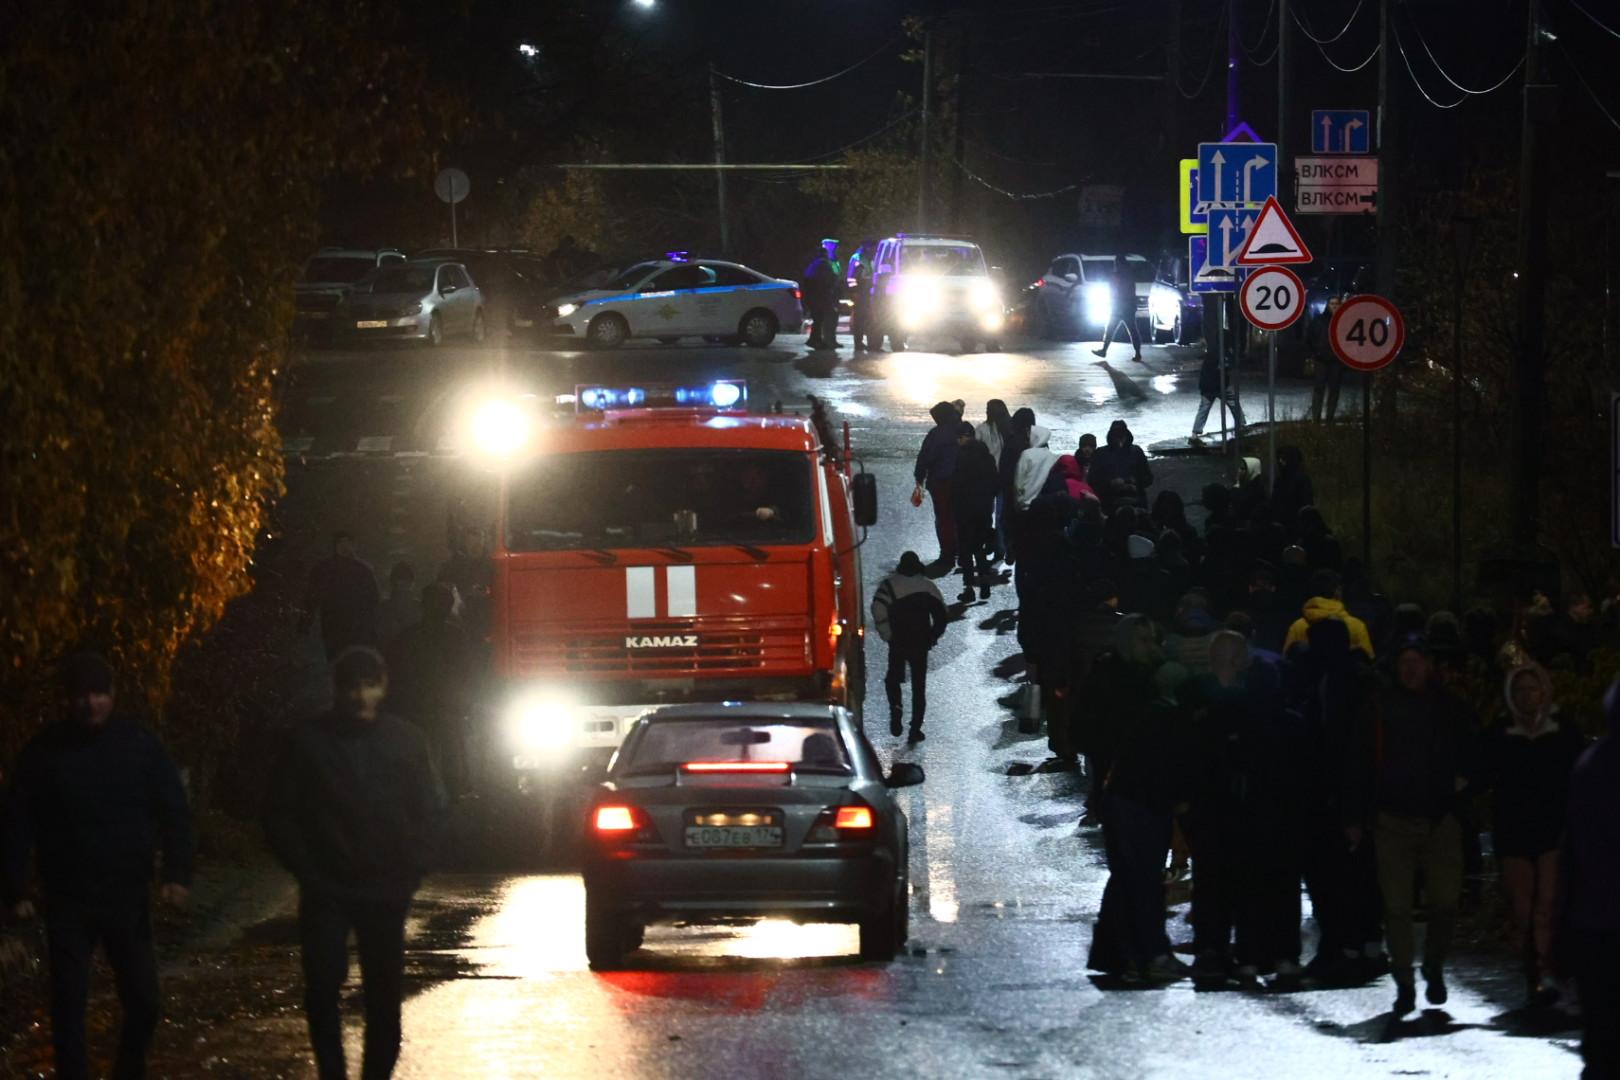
500,428
540,725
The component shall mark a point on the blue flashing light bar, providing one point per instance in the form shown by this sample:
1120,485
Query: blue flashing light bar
678,256
723,394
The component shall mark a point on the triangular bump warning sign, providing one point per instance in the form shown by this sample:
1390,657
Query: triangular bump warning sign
1273,240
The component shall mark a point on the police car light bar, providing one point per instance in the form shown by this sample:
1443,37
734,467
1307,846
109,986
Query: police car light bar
723,394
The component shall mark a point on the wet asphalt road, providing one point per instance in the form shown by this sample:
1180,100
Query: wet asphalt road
1005,886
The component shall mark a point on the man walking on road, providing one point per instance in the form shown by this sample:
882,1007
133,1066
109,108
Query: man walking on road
974,485
353,811
1122,292
910,617
343,592
1329,373
1212,387
96,796
936,465
861,324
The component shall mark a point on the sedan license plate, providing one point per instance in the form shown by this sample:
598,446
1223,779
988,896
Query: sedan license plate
523,324
371,324
733,836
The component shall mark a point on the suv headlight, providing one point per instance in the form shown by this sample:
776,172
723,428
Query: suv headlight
984,296
565,310
1099,302
920,300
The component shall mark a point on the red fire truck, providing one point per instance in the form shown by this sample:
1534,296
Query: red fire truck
663,545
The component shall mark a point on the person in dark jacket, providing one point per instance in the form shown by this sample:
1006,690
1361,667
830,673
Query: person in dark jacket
1122,293
431,682
974,484
1213,383
1531,757
936,464
861,323
1148,779
1292,490
1329,372
1116,694
353,812
95,798
823,284
1413,762
1591,874
1091,633
1120,474
910,617
342,591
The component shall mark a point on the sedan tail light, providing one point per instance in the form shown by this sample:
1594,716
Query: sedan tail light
616,819
853,817
843,823
737,766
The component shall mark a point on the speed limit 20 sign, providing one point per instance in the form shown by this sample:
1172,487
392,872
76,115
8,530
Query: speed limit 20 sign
1272,298
1367,332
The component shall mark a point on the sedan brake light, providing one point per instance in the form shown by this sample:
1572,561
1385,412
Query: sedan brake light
853,817
615,819
736,766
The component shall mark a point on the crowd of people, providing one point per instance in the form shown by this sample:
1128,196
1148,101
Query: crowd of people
1243,701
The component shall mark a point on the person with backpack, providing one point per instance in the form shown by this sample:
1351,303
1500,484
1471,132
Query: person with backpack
910,617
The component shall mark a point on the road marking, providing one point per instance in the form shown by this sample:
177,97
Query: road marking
682,591
375,444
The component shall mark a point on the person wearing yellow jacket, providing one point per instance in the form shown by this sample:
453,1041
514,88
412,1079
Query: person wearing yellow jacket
1327,602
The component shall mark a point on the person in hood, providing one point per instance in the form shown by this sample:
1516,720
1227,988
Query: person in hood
353,812
973,501
1070,478
996,432
1531,755
1591,873
1120,474
1327,602
910,617
1413,763
1034,466
95,799
1084,451
1293,490
936,463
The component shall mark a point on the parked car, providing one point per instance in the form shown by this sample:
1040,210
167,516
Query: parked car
1175,312
327,276
746,810
424,300
510,281
929,283
1076,295
672,298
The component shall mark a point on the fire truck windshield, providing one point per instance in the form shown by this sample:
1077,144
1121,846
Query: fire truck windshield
661,497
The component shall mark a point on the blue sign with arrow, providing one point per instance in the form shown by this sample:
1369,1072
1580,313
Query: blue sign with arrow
1228,229
1341,131
1236,173
1205,277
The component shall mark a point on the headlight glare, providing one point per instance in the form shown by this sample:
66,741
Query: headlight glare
565,310
541,723
1099,303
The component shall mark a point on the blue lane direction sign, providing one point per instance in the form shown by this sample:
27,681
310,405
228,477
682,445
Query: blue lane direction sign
1203,277
1341,131
1236,173
1228,229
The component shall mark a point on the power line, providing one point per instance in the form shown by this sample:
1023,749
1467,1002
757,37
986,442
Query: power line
1268,59
896,122
1601,24
1265,29
813,82
1343,30
1015,196
1214,53
1332,62
1400,47
1607,115
1500,83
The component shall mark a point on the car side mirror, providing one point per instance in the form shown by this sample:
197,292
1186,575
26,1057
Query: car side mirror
863,490
446,290
904,774
1071,278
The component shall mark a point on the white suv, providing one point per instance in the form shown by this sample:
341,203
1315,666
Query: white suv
1075,296
924,283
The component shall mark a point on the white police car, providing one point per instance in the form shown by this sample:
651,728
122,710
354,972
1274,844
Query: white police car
676,297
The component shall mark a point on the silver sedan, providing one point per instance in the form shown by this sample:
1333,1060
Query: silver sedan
746,810
422,301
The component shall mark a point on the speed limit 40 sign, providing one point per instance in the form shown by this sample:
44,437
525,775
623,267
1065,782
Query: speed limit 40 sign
1272,298
1367,331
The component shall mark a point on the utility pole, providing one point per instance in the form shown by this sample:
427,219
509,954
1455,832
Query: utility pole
1231,335
927,126
1528,381
719,159
1172,76
1234,64
1389,182
1285,175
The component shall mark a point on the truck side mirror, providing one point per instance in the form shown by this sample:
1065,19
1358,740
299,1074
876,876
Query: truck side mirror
864,492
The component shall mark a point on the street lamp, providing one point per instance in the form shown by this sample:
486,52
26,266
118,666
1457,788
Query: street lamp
528,50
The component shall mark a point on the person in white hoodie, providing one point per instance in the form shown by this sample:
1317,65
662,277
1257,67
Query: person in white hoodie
1034,466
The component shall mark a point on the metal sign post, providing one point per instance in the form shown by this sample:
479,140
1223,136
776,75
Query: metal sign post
451,186
1366,333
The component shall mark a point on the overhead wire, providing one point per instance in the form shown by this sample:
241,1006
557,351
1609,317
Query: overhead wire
1209,70
1332,62
813,82
1444,75
1400,46
1014,195
1343,30
891,125
1591,93
1600,23
1265,31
